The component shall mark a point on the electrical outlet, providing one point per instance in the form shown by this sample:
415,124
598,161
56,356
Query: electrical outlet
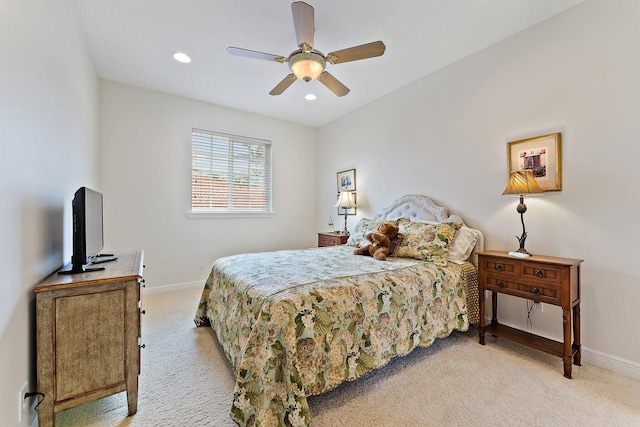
200,268
23,404
538,306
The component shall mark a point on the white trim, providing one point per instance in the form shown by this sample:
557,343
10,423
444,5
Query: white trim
229,214
167,289
611,363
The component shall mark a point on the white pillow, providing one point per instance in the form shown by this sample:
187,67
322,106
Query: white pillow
463,243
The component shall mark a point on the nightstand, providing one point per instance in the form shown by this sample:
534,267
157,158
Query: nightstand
547,279
332,239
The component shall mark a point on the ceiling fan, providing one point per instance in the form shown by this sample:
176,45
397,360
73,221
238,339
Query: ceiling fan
307,63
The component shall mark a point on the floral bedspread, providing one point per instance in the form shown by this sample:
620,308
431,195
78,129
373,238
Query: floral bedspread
300,322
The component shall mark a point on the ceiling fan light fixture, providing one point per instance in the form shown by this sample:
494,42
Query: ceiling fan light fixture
181,57
307,66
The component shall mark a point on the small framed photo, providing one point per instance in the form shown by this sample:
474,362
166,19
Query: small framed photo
542,155
347,180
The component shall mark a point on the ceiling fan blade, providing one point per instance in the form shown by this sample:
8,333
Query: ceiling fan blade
256,55
303,16
355,53
333,84
283,85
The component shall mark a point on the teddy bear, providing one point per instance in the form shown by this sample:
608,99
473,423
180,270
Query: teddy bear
380,242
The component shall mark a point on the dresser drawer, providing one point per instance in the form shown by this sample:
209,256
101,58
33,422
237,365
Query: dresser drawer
543,292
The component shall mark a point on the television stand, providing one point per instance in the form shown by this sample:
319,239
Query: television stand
88,337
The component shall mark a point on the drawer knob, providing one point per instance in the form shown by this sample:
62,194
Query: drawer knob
536,291
499,267
500,285
539,273
142,346
143,311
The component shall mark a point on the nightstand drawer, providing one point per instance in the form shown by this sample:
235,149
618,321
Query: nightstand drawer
500,266
542,293
543,272
328,241
332,239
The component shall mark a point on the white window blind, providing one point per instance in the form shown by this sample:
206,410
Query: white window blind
229,173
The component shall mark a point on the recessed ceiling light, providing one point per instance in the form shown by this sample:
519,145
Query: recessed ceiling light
310,97
181,57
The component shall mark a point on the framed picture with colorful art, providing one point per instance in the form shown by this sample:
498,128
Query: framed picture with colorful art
542,155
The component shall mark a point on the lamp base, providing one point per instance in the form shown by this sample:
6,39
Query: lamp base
520,254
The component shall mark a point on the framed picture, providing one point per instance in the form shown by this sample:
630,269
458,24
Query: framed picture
542,155
347,180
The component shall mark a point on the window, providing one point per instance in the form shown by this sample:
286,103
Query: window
229,174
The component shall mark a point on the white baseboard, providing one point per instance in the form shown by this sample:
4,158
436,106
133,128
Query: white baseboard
611,363
166,289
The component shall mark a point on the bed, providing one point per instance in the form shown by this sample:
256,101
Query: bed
297,323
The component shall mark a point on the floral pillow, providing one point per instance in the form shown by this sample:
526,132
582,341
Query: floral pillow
463,243
365,226
426,241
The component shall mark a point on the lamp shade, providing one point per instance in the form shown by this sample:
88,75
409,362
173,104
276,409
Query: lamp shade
522,183
307,66
346,200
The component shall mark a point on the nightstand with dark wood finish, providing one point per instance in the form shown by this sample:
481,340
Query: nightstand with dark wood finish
546,279
332,239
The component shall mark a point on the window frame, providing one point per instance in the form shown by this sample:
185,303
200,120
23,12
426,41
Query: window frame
233,141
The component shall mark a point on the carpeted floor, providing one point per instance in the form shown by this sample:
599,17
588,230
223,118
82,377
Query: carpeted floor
186,381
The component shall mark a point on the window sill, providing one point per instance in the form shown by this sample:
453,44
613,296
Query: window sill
229,214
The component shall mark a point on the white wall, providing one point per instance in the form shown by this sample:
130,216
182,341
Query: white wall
446,136
48,139
145,159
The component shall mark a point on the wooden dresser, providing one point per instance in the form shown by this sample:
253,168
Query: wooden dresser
332,239
546,279
88,336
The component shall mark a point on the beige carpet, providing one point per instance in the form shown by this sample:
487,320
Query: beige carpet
186,381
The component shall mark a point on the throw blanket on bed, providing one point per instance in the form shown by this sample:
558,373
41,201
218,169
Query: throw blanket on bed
299,323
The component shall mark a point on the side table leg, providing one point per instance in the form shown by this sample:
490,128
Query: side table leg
481,315
494,307
577,347
567,353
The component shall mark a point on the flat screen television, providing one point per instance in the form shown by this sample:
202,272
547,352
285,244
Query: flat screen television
88,235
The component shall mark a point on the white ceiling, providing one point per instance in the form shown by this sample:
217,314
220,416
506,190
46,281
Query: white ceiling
132,42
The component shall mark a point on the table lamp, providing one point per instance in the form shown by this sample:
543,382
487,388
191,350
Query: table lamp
522,183
346,201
